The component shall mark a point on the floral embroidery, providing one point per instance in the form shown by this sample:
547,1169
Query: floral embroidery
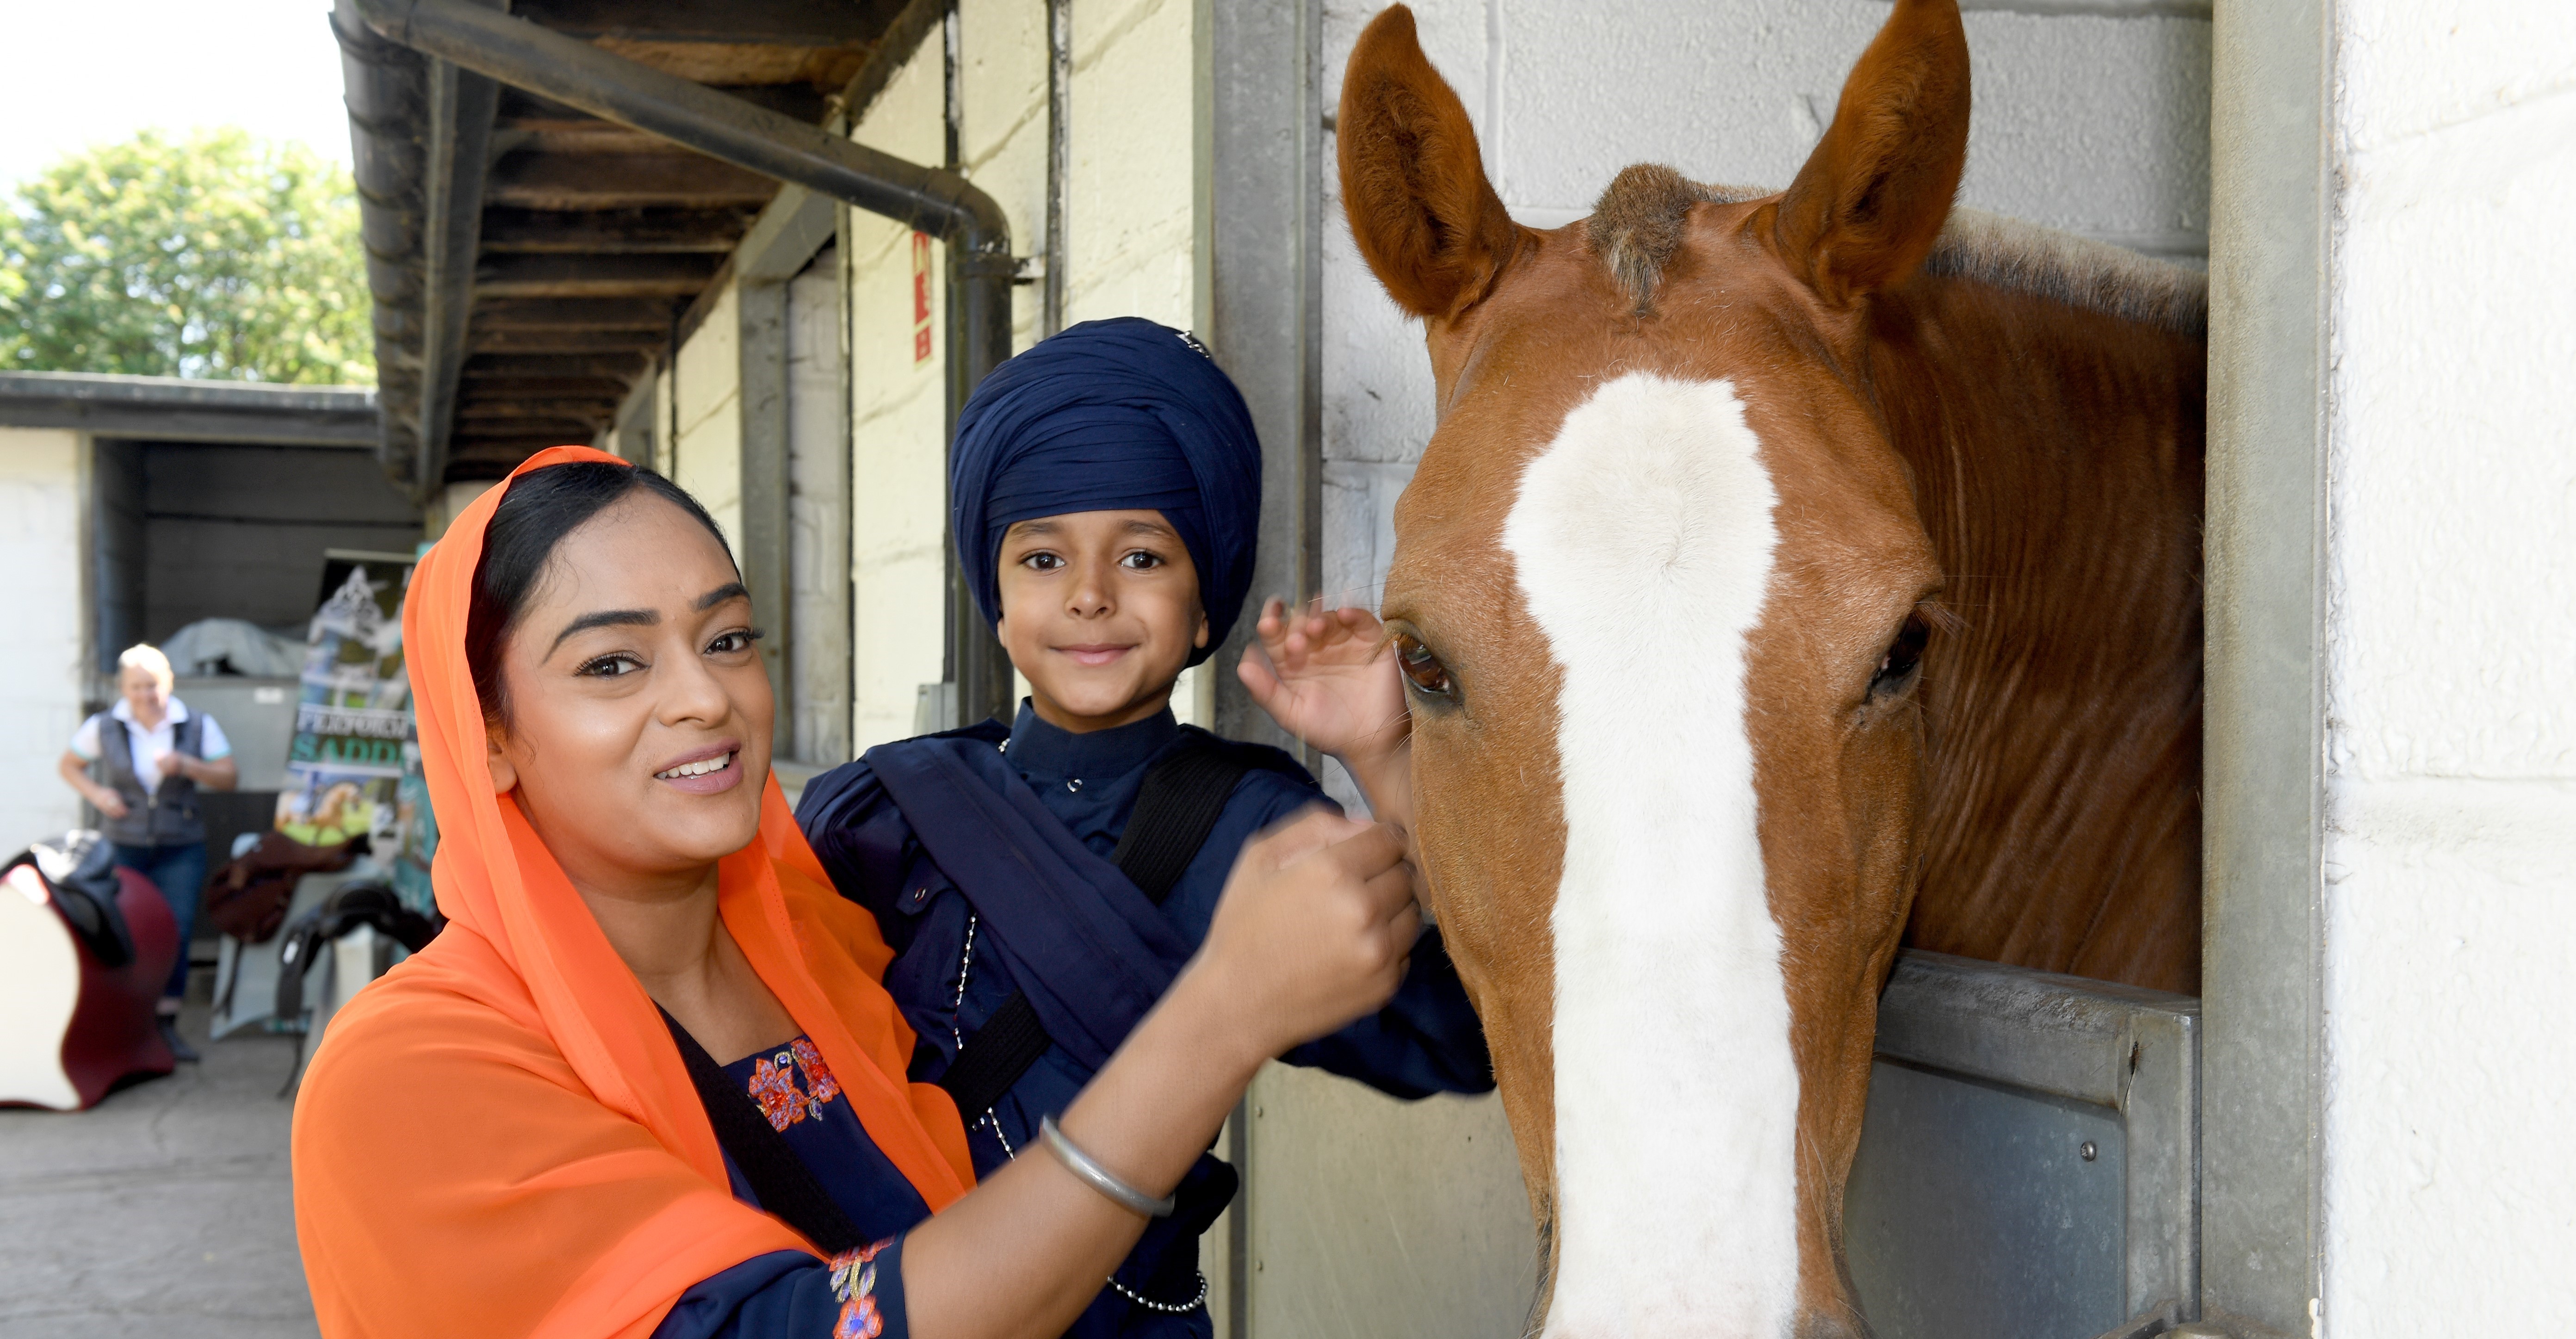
818,1076
854,1283
773,1085
774,1088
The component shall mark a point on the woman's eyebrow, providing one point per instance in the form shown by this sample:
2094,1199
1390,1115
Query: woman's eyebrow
609,618
645,618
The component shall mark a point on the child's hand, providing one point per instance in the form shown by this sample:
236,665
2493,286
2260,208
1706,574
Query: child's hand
1330,679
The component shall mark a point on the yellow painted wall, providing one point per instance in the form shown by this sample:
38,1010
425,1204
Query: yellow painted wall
707,449
898,416
1132,197
1132,194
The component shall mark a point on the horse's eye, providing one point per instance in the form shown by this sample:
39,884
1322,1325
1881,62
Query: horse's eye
1421,668
1904,656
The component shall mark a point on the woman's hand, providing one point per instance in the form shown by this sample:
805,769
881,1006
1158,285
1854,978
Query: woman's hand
1313,931
74,770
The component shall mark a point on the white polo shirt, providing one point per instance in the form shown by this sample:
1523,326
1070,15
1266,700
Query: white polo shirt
148,746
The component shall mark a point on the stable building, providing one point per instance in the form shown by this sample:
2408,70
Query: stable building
140,505
767,247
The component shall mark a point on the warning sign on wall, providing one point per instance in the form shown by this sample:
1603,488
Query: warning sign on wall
920,298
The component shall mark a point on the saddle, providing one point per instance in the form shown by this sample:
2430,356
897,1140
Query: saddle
247,898
85,947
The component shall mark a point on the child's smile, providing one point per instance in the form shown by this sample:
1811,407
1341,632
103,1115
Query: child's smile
1095,654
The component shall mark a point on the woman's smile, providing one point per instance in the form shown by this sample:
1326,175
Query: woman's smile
706,771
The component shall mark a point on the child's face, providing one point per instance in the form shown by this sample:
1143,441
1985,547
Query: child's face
1100,611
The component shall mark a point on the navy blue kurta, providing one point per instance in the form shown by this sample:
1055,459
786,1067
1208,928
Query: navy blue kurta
1425,1040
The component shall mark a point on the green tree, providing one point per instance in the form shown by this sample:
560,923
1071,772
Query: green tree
218,255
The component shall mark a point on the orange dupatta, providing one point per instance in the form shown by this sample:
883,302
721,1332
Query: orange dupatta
498,1138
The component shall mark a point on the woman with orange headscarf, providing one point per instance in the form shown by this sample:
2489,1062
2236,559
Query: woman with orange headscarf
646,1081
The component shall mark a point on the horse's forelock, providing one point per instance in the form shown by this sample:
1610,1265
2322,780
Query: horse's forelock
1636,226
1636,229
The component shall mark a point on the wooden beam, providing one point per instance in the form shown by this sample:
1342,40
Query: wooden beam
795,22
613,276
515,340
526,111
622,180
519,386
542,411
621,368
591,232
753,63
516,441
649,315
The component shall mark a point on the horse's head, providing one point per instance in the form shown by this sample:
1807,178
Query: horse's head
1658,590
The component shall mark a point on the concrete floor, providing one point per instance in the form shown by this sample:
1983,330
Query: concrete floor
162,1212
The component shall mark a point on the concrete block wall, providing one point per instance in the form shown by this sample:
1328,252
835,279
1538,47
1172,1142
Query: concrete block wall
706,451
2450,855
1132,236
42,546
1132,197
2092,123
1002,129
897,417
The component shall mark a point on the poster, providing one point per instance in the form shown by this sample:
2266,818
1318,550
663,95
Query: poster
354,766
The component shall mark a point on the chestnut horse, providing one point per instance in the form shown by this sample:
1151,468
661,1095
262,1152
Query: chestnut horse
1782,561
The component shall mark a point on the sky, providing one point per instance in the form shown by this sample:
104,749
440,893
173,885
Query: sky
83,72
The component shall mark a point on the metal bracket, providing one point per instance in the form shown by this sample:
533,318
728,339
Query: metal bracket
2148,1325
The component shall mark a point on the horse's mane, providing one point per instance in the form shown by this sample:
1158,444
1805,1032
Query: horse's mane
1637,226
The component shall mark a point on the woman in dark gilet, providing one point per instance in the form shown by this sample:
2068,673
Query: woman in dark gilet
141,764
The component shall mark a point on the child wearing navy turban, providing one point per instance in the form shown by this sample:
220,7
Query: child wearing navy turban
1042,882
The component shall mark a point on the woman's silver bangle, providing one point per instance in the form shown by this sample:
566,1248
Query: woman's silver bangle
1098,1177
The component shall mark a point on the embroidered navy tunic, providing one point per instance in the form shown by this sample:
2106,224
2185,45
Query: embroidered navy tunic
790,1293
949,979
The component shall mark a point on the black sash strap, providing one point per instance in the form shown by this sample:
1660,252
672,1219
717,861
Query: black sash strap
1177,806
779,1179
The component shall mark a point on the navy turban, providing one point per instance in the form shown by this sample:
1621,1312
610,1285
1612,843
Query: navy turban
1113,415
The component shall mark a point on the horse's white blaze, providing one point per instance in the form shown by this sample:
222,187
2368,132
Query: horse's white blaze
1643,538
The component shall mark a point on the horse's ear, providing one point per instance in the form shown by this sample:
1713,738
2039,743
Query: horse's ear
1871,200
1413,184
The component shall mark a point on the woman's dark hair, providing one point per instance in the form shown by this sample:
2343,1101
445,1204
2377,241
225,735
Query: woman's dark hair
534,516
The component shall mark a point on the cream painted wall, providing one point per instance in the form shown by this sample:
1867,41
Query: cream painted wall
1131,236
898,417
1132,193
707,450
1133,190
2450,858
1002,128
42,501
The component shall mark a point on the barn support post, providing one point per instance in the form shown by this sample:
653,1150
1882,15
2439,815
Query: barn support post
761,549
781,241
1260,139
2263,782
937,201
1261,153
